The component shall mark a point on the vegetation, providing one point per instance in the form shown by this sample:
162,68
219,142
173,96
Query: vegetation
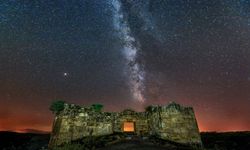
211,141
57,106
149,108
97,107
73,146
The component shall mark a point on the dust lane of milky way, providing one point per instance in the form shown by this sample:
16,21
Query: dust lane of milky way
125,54
130,50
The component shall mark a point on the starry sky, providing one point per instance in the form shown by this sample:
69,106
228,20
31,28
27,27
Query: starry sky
193,52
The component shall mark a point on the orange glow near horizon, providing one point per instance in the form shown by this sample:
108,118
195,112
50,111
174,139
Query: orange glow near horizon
128,127
26,120
26,124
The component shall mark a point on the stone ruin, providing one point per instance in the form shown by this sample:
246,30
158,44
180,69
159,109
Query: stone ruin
172,122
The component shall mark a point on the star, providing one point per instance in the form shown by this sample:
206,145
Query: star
65,74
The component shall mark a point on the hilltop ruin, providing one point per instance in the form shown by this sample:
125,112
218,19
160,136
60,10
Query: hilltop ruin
172,122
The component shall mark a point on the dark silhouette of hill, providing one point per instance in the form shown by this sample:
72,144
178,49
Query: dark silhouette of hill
211,141
226,140
34,131
23,141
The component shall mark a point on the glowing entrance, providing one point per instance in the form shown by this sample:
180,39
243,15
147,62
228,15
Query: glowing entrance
128,127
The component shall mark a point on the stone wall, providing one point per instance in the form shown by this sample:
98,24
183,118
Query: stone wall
139,119
75,123
172,122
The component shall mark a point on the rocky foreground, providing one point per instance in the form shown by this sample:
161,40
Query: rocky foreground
140,145
211,141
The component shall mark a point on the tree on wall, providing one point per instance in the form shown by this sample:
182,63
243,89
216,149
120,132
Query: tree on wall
57,106
149,108
97,107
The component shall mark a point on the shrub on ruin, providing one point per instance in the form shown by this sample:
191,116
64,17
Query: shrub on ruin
97,107
57,106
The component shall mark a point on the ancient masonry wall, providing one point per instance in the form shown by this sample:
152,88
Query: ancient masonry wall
172,122
175,123
139,119
75,123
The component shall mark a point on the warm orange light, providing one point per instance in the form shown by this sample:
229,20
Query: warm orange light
128,127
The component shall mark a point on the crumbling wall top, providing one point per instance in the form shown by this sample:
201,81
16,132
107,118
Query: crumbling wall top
171,107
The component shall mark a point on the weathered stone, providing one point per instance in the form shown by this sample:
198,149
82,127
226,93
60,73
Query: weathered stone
171,122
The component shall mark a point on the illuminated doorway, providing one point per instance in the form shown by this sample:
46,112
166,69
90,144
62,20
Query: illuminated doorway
129,127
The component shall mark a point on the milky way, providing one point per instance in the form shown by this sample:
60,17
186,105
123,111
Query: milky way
141,9
125,54
130,49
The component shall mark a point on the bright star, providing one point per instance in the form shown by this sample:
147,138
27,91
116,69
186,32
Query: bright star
65,74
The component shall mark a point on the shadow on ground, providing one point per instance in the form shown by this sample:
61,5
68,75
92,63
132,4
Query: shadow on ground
138,145
211,141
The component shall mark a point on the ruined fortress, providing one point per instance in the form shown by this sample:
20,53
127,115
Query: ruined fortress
172,122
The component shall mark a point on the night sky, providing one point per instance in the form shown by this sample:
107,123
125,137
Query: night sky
125,54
